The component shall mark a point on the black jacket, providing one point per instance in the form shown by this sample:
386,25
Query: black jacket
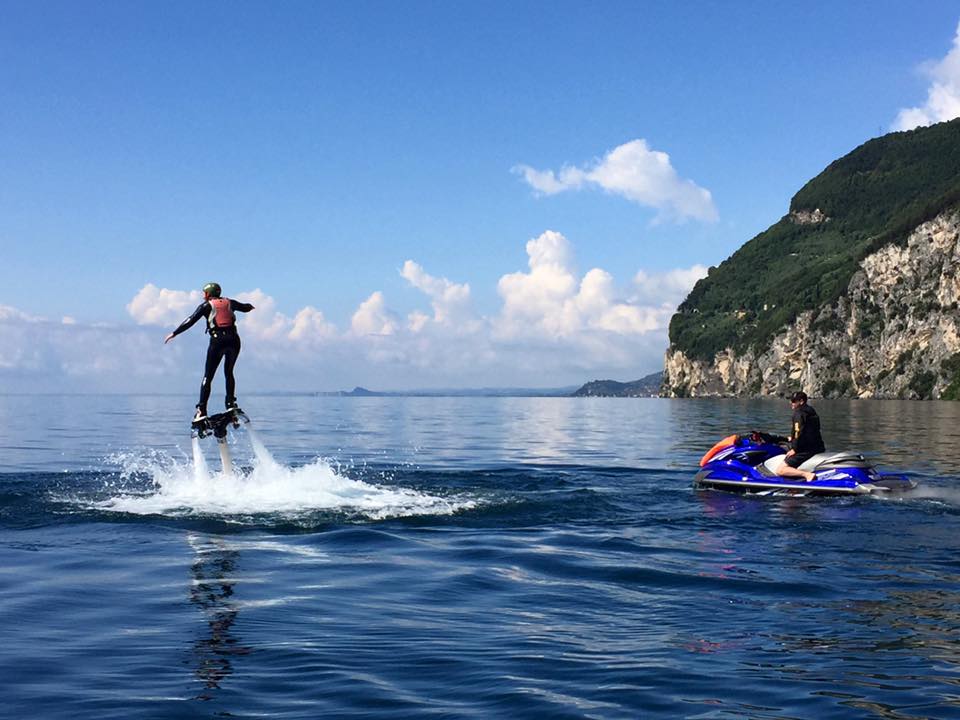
805,434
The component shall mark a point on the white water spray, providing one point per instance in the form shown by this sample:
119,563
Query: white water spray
263,456
200,471
947,495
268,487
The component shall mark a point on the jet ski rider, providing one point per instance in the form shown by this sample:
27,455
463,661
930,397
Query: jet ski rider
224,342
805,439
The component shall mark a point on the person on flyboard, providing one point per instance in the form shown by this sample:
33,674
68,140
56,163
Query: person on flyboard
224,342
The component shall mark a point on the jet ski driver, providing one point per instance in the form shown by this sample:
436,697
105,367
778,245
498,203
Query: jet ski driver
805,439
224,342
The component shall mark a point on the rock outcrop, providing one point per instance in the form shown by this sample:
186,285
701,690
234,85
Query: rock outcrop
808,217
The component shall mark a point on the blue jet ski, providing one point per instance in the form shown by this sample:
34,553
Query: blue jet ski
748,463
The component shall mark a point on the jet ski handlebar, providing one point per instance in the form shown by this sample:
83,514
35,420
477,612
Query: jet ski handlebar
758,436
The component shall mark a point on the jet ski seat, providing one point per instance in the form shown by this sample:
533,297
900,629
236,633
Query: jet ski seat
826,461
820,461
769,466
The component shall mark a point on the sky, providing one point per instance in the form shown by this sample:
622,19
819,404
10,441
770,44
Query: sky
417,194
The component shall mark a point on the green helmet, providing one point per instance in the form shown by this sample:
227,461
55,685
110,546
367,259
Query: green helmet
212,289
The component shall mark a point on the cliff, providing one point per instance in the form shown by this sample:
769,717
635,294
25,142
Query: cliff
853,294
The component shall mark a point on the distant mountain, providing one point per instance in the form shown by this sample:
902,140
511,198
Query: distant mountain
648,386
455,392
360,392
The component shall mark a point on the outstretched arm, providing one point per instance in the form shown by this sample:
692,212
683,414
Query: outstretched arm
241,306
201,311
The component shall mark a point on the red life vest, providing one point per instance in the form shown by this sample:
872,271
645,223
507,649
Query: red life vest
221,316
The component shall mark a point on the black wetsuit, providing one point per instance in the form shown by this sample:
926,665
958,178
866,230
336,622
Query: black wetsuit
224,345
805,438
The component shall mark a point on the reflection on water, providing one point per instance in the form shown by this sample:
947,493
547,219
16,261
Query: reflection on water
892,655
926,622
908,435
919,435
213,571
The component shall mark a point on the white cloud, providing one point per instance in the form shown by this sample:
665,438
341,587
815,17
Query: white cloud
264,322
536,299
636,172
159,306
554,326
53,355
450,301
943,95
310,325
373,317
669,288
8,313
601,310
551,302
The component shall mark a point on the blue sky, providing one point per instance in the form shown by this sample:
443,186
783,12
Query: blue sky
302,153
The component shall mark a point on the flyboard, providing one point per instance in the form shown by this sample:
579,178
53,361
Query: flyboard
217,425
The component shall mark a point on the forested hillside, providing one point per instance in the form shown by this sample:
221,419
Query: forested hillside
874,196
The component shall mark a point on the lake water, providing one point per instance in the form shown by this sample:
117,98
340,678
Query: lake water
467,558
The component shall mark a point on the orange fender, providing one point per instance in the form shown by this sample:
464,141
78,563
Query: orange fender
722,445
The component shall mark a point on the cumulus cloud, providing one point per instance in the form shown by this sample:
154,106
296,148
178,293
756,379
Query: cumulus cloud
668,288
554,325
159,306
536,298
374,318
550,301
310,325
450,301
65,355
943,95
636,172
9,313
265,322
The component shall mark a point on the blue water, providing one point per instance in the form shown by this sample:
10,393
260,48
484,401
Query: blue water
467,558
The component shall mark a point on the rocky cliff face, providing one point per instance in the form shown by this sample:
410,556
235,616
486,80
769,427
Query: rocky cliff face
894,333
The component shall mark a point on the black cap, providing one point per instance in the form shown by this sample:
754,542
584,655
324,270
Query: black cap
798,396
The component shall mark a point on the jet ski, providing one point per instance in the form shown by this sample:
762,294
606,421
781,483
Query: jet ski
748,463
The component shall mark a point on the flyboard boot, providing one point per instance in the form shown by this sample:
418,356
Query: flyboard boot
199,416
216,425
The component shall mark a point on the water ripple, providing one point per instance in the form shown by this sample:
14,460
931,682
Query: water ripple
548,559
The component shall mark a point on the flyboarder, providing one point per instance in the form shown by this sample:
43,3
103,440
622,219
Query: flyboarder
224,343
